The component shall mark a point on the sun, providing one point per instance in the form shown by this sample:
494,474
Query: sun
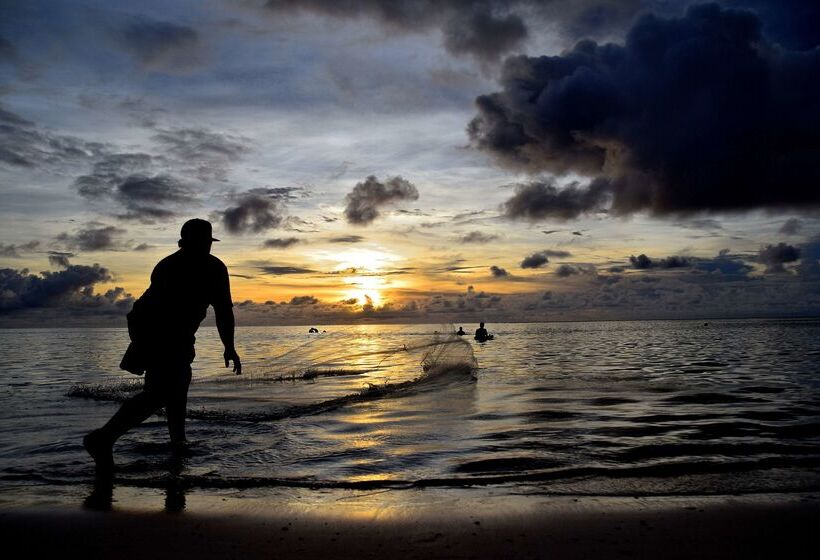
365,289
363,260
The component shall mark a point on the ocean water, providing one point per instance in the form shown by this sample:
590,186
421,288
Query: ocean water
597,408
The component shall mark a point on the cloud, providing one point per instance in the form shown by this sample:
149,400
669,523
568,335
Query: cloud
539,200
484,35
281,242
147,198
110,170
7,50
477,237
22,144
556,253
792,226
775,256
70,287
280,270
12,250
642,262
725,263
304,300
347,239
160,46
143,247
207,154
60,259
123,178
691,114
701,224
484,30
92,238
540,258
367,197
536,260
253,213
566,270
498,272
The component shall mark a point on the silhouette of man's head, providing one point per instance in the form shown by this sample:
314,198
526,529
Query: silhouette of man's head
481,325
196,236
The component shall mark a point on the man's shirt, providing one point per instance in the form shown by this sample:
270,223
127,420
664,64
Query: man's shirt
183,285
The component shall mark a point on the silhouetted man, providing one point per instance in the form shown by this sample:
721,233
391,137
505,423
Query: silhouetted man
162,325
481,333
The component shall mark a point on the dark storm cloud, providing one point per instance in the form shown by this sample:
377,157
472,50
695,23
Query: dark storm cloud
483,29
92,238
775,256
367,197
478,237
12,250
794,24
792,226
347,239
23,144
540,200
7,50
72,286
161,46
698,113
484,35
642,262
253,213
303,300
498,272
281,242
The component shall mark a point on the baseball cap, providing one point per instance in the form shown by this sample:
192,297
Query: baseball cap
197,230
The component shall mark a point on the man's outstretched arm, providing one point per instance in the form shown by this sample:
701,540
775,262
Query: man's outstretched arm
226,324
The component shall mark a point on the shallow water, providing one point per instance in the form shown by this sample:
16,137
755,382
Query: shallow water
619,408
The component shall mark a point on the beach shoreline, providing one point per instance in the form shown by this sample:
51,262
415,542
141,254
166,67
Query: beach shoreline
419,524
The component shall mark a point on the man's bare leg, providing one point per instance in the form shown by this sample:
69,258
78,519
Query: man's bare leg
176,407
133,412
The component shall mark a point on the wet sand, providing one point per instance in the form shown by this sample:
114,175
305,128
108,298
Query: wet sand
424,524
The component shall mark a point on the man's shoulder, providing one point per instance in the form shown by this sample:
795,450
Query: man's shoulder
216,263
168,261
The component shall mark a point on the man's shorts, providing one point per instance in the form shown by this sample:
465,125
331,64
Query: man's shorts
169,373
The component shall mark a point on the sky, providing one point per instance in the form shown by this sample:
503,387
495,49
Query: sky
415,161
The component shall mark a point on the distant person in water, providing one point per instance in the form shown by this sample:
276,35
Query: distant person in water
460,331
162,325
481,333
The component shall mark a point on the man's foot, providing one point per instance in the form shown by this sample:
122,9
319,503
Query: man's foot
101,450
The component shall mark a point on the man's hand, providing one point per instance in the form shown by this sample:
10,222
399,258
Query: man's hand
231,356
